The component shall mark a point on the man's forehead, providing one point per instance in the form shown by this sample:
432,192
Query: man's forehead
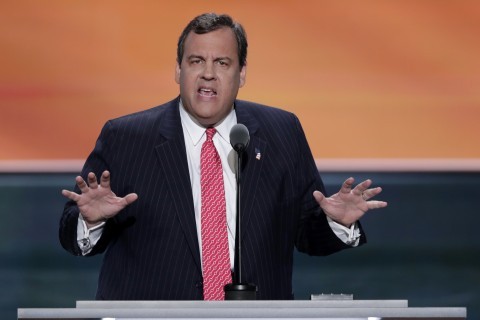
219,37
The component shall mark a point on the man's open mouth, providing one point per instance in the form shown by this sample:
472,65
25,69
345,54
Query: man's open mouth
207,92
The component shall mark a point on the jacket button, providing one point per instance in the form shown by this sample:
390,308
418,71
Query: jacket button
199,284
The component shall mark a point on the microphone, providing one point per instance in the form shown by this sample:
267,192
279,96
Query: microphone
238,290
239,137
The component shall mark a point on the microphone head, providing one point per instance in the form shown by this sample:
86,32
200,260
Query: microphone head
239,137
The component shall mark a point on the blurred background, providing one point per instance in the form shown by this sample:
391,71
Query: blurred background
384,89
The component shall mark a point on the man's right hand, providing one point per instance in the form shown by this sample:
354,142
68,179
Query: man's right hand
97,202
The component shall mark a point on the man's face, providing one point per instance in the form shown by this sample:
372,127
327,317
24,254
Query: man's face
210,75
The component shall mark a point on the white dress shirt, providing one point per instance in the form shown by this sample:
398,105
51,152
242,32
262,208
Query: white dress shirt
195,135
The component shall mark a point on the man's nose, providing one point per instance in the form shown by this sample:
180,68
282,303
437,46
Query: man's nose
209,71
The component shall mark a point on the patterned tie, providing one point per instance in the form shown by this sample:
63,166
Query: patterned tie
215,254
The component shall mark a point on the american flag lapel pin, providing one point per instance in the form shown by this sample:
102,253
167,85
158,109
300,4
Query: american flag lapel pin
258,154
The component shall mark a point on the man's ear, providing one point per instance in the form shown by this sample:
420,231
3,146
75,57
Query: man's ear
243,75
177,73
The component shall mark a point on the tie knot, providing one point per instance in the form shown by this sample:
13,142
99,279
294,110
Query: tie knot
210,132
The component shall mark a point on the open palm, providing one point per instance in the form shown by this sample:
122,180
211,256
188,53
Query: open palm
350,204
97,202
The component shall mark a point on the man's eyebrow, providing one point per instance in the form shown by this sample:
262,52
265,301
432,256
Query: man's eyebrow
223,58
194,56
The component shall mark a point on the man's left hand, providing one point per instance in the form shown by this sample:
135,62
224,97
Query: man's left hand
350,204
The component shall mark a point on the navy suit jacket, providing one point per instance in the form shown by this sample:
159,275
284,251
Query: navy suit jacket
151,249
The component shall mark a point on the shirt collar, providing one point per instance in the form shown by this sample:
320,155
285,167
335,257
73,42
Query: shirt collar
196,131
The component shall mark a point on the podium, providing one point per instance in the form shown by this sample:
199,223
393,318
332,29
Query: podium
292,309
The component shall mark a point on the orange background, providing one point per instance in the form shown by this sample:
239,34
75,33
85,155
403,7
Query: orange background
368,79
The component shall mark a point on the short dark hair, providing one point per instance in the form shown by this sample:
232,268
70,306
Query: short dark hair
208,22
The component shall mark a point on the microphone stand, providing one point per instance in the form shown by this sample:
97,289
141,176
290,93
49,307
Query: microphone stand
238,290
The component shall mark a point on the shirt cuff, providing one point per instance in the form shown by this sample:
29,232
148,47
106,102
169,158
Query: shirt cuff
350,236
88,238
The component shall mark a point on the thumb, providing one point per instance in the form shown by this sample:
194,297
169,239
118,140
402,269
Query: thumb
131,197
319,197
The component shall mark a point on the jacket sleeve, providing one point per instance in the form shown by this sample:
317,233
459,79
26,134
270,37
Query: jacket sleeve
314,235
96,163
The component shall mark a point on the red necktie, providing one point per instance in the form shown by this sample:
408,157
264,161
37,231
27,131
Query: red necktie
215,254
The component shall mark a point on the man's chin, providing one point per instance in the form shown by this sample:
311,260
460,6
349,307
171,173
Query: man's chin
206,120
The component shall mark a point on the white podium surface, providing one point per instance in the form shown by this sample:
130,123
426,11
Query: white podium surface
94,304
299,309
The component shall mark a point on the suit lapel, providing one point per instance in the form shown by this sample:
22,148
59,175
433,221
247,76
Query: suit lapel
173,161
252,163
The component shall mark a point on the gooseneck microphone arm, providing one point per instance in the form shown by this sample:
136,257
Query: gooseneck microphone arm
237,270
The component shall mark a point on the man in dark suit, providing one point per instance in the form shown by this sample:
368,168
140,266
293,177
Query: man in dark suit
151,232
